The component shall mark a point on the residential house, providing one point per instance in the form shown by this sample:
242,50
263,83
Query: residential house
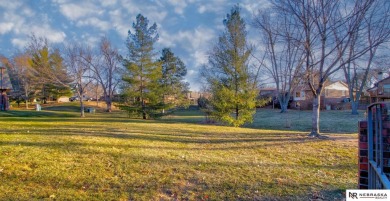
381,91
334,96
268,92
193,96
301,98
63,99
5,86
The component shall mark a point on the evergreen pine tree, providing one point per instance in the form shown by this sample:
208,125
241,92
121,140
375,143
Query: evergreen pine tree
173,87
143,72
228,75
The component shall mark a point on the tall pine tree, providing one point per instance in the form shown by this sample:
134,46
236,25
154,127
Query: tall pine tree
143,72
228,74
48,67
173,87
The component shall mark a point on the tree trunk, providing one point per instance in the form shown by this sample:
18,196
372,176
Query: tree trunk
283,107
108,101
26,103
315,131
355,106
143,110
283,100
81,107
96,93
109,104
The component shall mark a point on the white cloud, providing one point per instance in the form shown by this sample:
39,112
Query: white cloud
53,36
121,19
27,12
95,22
21,21
252,7
118,23
78,11
191,72
198,39
216,6
12,16
196,42
109,3
179,5
130,7
202,9
56,37
10,5
166,39
156,16
6,27
200,58
19,42
60,1
91,41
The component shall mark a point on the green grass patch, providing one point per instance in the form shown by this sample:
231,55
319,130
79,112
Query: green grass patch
334,121
110,157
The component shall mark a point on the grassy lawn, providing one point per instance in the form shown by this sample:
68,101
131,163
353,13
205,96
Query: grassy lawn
333,121
54,155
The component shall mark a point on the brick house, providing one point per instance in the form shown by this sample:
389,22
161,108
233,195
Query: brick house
333,96
381,91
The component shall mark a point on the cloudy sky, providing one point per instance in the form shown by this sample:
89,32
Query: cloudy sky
189,27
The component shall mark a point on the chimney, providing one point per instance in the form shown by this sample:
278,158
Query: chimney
380,76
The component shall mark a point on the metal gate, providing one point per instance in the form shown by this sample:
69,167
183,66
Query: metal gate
378,120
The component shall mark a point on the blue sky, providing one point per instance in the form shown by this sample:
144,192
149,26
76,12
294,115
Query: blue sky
188,27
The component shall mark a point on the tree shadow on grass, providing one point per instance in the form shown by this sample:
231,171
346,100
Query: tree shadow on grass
32,114
197,144
194,140
70,108
175,136
84,148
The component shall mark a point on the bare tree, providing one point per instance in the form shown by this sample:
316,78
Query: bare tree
328,27
284,57
95,90
373,33
106,67
79,70
25,76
